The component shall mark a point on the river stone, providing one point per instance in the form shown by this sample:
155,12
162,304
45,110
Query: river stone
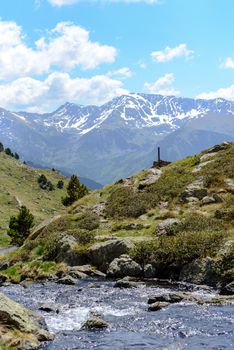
87,270
126,282
95,323
49,308
124,266
167,227
20,327
69,280
171,298
158,305
102,254
149,271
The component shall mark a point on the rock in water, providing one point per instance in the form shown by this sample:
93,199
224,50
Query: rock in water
124,266
95,323
158,305
19,327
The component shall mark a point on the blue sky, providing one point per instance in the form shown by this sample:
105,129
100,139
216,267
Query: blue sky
88,51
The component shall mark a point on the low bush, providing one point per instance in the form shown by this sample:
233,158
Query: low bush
88,221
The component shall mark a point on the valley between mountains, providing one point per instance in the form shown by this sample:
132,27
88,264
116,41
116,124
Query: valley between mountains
115,140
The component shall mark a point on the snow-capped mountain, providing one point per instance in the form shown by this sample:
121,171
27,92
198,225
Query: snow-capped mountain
113,140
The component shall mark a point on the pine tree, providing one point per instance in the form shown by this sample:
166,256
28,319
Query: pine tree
75,190
20,225
1,147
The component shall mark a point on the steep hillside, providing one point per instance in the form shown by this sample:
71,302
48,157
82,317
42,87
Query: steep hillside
105,143
178,219
19,186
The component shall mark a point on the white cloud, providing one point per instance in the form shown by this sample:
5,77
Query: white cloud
121,73
228,63
163,86
71,2
226,93
66,46
169,53
28,93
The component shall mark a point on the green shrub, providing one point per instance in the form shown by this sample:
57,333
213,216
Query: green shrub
124,202
88,221
83,237
142,253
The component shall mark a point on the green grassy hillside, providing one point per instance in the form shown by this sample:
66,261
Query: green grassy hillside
197,191
18,186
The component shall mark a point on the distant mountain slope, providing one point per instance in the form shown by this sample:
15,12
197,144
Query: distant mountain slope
114,140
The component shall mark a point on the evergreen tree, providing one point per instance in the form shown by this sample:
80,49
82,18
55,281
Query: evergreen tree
75,190
60,184
16,156
20,225
8,152
1,147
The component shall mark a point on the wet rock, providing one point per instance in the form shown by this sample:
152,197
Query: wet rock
158,305
149,271
124,266
167,227
67,280
95,323
170,298
2,279
49,308
228,289
21,327
101,254
126,283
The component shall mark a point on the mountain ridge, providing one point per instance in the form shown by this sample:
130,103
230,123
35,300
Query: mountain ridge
111,141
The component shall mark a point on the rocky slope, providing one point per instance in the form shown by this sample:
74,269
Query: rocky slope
119,138
175,222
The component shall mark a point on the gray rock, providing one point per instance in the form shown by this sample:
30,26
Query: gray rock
67,253
126,282
158,305
195,189
170,298
124,266
67,280
167,227
21,326
95,323
87,270
228,289
49,308
230,184
101,254
218,148
149,271
201,271
151,177
207,200
201,166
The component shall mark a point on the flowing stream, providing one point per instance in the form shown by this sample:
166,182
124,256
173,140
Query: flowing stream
179,326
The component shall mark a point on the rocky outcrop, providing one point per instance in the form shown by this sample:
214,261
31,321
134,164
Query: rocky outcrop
102,254
66,251
38,229
167,227
195,189
151,177
20,327
124,266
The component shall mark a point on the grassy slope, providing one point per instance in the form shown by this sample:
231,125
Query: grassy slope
18,184
200,235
